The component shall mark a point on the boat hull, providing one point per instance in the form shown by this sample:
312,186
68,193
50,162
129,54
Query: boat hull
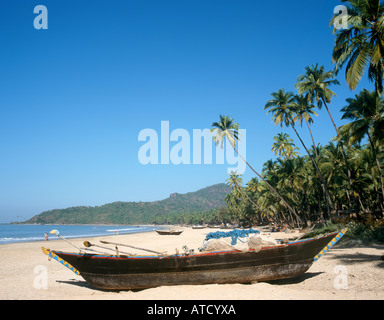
140,272
226,276
169,233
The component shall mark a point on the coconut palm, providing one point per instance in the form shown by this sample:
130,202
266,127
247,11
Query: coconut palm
366,110
332,164
361,45
315,83
333,157
304,111
269,167
366,175
282,107
291,178
253,185
227,128
366,161
235,181
284,145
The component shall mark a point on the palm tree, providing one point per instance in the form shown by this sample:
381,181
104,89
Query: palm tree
365,174
227,128
304,111
253,185
362,43
254,189
235,181
233,205
291,178
284,145
315,83
365,111
268,167
365,159
332,164
282,107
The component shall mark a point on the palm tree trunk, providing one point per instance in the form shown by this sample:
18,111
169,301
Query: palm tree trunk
269,186
313,141
323,183
325,186
344,156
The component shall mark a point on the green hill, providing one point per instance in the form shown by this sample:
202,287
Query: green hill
138,212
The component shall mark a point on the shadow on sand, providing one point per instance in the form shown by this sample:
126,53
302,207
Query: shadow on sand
358,257
295,280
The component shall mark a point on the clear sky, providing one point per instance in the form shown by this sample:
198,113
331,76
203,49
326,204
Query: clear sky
74,97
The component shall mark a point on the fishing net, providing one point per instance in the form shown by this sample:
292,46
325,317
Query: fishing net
222,244
216,241
234,234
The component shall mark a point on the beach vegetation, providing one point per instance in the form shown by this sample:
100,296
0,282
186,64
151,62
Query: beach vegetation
360,46
340,183
298,179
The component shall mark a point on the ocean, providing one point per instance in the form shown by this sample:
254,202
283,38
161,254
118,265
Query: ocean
11,233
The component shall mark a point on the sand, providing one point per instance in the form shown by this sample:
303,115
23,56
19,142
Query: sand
350,272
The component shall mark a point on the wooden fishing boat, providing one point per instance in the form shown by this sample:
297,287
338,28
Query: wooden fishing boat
120,272
171,232
198,227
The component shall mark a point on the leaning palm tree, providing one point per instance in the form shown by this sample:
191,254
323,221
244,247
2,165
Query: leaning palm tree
282,107
361,45
365,111
315,82
227,128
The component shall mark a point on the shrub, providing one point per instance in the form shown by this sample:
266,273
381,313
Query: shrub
369,232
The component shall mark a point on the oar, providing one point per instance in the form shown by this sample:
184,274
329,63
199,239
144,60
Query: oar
92,250
88,245
129,246
56,233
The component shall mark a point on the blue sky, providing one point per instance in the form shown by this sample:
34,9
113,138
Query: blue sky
74,97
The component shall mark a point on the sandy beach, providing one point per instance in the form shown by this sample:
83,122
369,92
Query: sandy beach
351,272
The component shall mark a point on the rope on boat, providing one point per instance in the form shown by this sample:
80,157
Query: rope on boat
234,234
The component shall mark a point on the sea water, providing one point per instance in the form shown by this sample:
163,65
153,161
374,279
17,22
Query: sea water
11,233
